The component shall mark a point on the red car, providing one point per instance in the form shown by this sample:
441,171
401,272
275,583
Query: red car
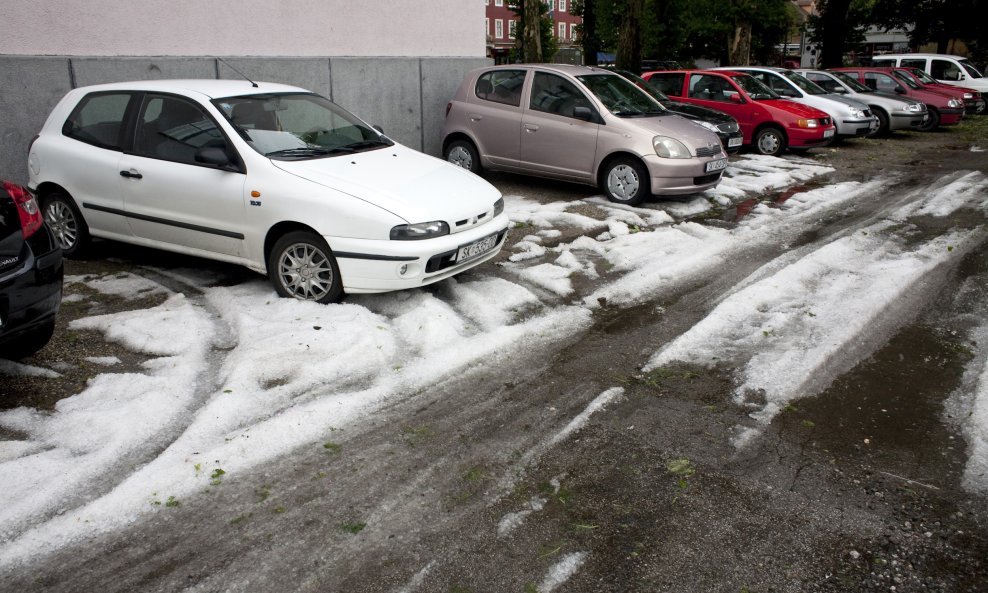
769,123
944,110
973,100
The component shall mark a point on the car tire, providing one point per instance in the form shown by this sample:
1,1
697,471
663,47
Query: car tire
66,223
29,343
462,153
625,181
933,122
301,266
883,123
770,141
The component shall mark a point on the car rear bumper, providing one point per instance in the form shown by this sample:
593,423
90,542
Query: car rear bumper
368,266
30,294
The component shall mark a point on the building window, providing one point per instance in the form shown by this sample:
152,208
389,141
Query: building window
512,28
562,5
498,28
498,2
562,30
572,31
487,27
551,4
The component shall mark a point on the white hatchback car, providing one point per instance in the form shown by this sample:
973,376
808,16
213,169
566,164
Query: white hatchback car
273,177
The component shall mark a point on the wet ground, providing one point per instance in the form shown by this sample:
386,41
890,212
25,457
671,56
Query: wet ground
454,489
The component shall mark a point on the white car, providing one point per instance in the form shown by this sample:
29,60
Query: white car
272,177
852,118
944,68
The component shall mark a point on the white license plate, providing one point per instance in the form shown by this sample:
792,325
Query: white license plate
828,133
716,165
476,248
732,142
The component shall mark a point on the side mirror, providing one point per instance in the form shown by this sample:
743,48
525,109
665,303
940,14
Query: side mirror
900,90
217,157
839,90
790,93
378,128
584,113
736,98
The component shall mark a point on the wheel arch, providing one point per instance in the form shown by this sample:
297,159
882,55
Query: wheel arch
281,229
454,136
606,162
47,188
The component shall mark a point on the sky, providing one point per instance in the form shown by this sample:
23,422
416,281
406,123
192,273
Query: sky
236,377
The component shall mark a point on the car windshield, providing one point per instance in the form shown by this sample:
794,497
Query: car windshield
805,84
852,83
906,79
295,126
755,89
971,70
621,96
922,76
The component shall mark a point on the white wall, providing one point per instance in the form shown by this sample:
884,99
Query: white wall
290,28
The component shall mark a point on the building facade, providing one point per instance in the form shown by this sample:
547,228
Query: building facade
500,23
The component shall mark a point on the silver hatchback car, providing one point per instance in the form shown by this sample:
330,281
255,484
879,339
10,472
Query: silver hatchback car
580,124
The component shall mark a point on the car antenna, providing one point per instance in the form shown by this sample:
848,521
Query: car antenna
254,84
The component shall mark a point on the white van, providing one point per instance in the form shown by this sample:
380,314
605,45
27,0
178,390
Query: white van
944,68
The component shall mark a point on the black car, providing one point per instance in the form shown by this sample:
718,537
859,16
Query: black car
725,126
30,274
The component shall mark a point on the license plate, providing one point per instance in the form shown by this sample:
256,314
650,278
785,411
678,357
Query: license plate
732,142
476,248
828,133
716,165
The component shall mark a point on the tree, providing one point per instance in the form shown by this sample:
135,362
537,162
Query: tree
629,47
589,38
935,21
839,26
533,34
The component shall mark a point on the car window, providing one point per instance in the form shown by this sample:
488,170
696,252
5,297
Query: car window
971,70
851,82
945,70
805,84
621,96
881,82
174,129
828,84
710,88
98,119
884,62
670,84
554,94
755,89
501,86
913,63
774,82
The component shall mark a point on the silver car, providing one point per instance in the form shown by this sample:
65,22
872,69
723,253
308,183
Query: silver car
581,124
894,112
852,118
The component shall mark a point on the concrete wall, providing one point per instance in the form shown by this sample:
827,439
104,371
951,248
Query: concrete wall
405,96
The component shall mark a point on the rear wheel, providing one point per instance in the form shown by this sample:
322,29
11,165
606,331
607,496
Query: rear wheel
66,223
626,181
463,154
301,266
770,141
933,122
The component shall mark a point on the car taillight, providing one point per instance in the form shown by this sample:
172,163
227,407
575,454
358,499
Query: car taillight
27,208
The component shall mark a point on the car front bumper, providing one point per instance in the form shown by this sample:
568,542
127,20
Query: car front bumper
856,127
670,177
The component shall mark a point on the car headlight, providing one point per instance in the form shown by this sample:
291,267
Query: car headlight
916,107
808,123
498,207
670,148
705,124
954,103
421,230
968,95
857,114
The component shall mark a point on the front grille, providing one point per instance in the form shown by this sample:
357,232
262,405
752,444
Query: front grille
729,127
708,151
705,179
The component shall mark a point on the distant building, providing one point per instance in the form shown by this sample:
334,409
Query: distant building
501,21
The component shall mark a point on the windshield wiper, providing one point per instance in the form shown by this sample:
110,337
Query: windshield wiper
369,144
307,151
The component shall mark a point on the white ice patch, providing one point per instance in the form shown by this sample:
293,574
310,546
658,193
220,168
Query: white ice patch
948,195
103,360
555,279
562,571
17,369
511,521
122,284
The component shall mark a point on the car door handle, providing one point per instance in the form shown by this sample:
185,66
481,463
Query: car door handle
531,128
130,175
475,117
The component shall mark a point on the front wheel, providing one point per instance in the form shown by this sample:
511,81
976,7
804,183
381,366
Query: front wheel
770,141
625,181
66,223
301,266
463,154
933,122
883,123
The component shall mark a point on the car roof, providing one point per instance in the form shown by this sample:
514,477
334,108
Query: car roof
210,87
743,68
920,55
695,71
571,69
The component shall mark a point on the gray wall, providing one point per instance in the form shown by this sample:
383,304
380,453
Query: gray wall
405,96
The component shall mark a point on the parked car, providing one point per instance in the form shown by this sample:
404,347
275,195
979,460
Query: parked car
943,68
769,123
894,112
272,177
581,124
718,122
943,110
973,100
852,117
30,274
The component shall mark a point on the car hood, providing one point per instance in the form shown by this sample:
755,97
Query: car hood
405,182
797,109
674,126
698,112
855,103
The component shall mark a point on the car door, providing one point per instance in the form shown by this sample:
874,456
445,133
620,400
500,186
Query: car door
553,141
169,196
495,115
880,81
89,163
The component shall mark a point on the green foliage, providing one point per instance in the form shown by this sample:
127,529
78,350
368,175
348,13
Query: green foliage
546,37
353,527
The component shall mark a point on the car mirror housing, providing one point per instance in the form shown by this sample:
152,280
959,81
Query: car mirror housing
217,157
736,98
584,113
